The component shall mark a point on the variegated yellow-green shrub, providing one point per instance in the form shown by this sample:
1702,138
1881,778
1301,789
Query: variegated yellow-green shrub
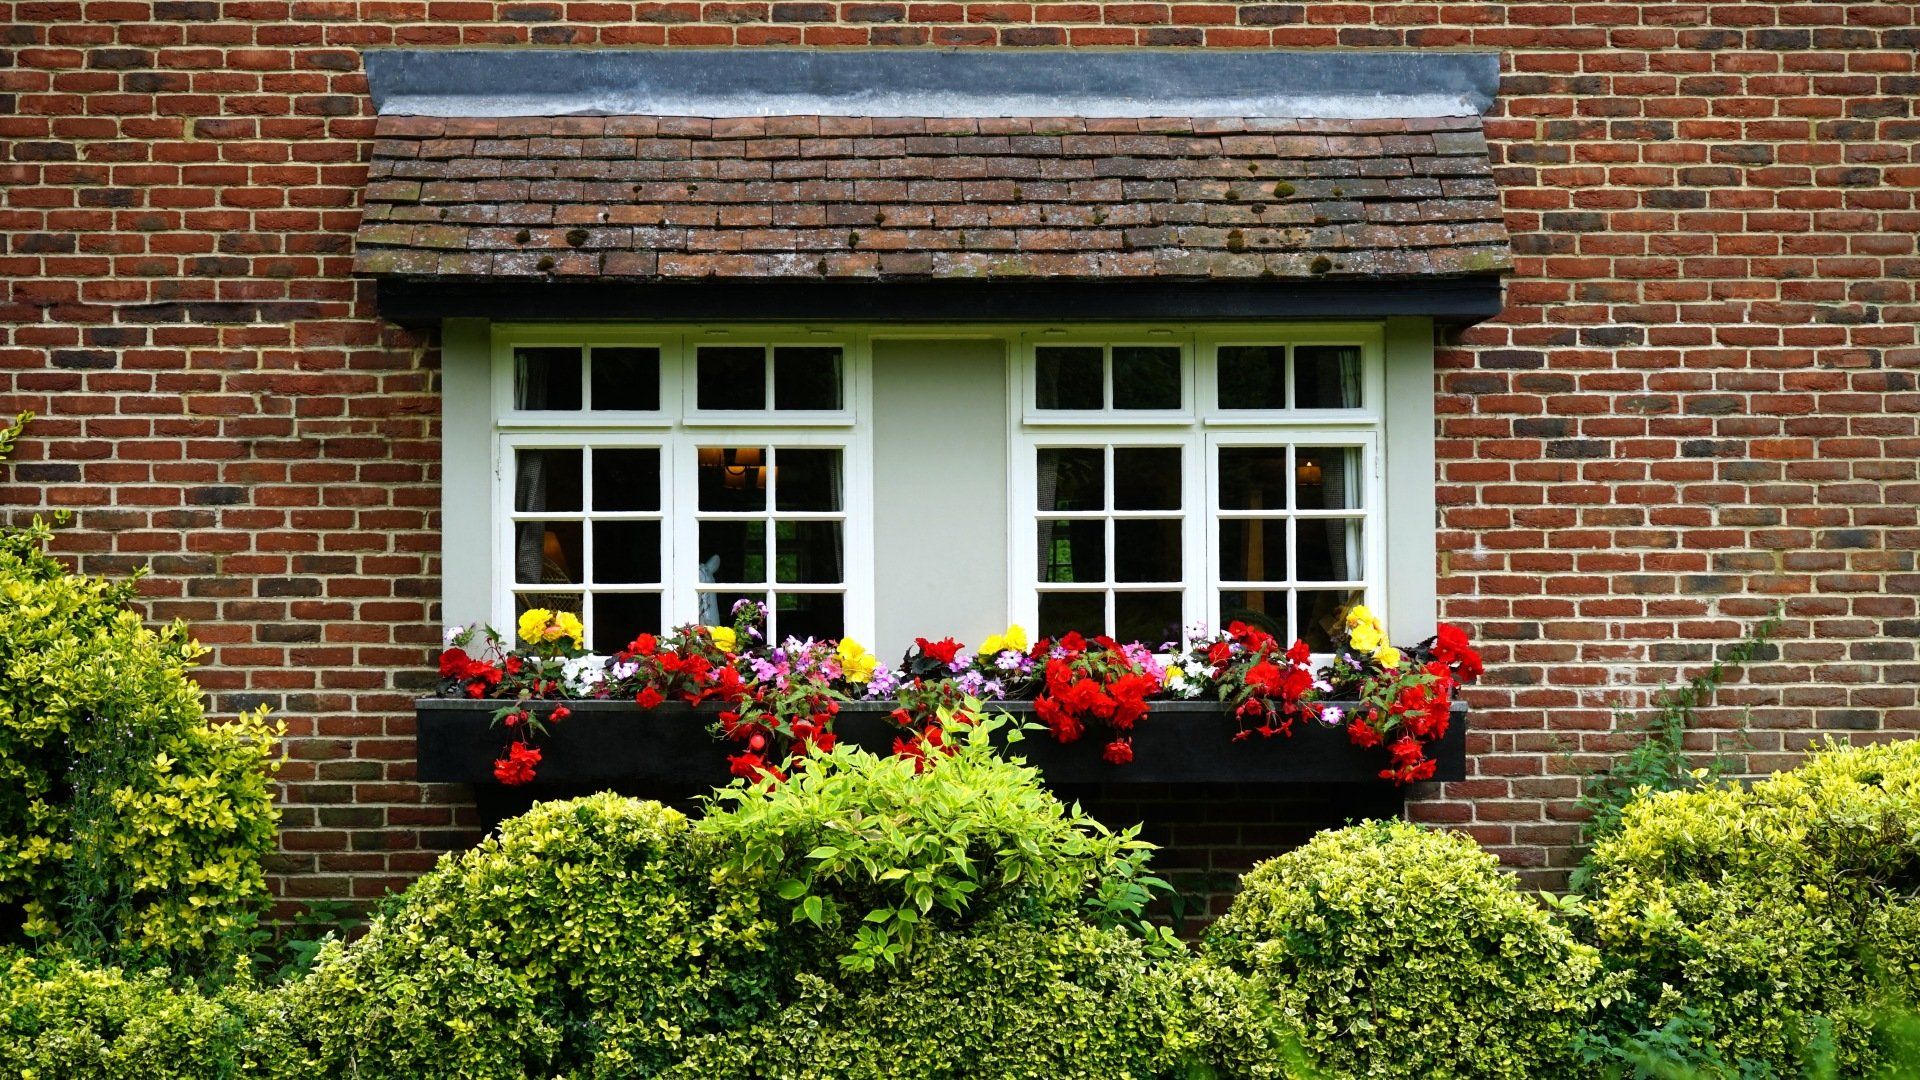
1403,951
1014,1001
1781,916
587,939
64,1020
131,828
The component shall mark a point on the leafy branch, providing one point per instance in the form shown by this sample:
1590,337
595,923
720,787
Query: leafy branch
1659,761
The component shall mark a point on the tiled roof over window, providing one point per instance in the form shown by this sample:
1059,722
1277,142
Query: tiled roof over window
655,198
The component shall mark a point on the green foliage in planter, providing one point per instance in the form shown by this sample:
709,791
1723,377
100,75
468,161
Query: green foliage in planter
1013,1001
1403,951
1779,917
131,828
587,938
874,857
61,1020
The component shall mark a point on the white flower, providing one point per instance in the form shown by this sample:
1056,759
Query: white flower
1332,715
582,675
453,634
1196,670
626,670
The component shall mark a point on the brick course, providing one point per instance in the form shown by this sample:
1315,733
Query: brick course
1700,401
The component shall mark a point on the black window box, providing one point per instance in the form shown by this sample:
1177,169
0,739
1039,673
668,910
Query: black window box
618,745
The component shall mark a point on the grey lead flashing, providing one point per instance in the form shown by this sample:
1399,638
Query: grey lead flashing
926,82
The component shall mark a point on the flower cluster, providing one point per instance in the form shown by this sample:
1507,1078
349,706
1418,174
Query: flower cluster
1264,688
778,703
551,665
1406,700
1101,684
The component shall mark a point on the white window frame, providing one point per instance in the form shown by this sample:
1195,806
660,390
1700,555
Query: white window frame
1200,430
679,430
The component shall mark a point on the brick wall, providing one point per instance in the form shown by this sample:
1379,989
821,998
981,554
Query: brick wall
1700,401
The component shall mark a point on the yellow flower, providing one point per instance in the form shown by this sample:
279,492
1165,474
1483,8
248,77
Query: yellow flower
1015,638
1358,616
723,636
1364,638
539,626
856,663
1388,656
533,625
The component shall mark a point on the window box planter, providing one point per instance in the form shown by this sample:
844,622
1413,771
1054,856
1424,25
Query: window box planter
616,744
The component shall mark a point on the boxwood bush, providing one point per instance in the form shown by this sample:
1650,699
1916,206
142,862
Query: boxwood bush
1782,919
1013,1001
587,938
1403,951
131,828
64,1020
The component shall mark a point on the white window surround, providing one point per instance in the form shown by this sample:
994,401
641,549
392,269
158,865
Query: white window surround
1396,423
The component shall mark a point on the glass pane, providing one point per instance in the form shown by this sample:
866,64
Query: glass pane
1068,377
1146,550
1326,477
1083,611
547,553
1326,377
807,552
626,552
1151,618
626,379
1072,478
1329,548
806,378
806,479
733,551
1146,377
618,618
1253,550
1253,477
1146,477
546,480
731,377
1252,377
1262,609
732,478
1322,616
546,378
820,616
716,607
1073,550
626,479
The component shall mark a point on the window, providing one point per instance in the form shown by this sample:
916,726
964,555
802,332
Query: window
1133,481
647,485
1198,480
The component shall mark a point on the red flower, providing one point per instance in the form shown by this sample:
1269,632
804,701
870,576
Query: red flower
1118,752
1363,734
1264,678
942,651
1299,653
559,713
517,767
454,662
644,645
649,698
1451,648
1072,643
747,766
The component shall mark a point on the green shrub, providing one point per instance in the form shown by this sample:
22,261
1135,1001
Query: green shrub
130,828
61,1020
1779,917
587,937
1407,952
877,857
1012,1001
